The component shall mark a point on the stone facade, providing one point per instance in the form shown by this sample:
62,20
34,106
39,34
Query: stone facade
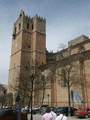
57,75
71,64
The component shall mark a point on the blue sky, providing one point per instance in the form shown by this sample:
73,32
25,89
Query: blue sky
66,19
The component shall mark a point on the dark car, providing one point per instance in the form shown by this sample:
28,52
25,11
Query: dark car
7,114
64,110
43,109
36,110
10,114
88,109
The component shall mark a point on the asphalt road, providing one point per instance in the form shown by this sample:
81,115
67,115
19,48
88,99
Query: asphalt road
39,117
74,118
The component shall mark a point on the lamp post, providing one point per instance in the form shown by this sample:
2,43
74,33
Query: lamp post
72,97
31,97
48,99
69,99
18,110
32,77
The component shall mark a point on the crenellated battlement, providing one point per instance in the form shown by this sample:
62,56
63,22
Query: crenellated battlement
40,19
29,19
28,23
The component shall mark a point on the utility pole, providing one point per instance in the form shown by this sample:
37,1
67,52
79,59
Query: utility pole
69,100
32,80
18,109
48,98
32,77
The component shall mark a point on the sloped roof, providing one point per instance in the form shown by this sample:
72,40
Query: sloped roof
78,40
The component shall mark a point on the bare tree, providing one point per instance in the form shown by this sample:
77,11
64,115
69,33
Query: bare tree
3,94
23,84
70,75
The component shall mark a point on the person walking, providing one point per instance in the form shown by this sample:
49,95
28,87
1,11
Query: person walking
53,114
61,117
47,115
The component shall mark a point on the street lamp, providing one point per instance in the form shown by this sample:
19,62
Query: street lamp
31,97
69,99
32,77
18,109
48,99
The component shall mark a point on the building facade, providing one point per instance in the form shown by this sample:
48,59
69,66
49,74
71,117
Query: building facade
69,68
60,79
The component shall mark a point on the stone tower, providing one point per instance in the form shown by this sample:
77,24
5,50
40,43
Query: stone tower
28,48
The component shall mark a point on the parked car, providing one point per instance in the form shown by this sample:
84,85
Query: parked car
82,113
36,110
11,114
88,109
7,114
43,109
64,110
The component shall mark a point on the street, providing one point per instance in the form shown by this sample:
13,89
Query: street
74,118
39,117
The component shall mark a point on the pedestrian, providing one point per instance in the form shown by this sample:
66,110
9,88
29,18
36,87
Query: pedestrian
53,114
61,117
47,115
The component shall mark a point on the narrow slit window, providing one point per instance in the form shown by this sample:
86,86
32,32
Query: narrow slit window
32,26
19,26
27,25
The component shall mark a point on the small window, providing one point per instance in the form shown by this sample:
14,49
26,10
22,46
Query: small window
32,26
15,30
29,46
72,95
19,26
20,14
14,33
27,25
14,36
26,67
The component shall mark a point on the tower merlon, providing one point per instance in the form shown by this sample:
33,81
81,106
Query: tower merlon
39,24
37,17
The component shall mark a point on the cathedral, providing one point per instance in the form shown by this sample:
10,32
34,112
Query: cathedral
59,79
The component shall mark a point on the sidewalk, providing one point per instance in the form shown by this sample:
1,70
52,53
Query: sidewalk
74,118
39,117
35,117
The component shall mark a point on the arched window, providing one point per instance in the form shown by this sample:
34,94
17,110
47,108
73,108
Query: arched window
14,33
15,30
19,26
27,25
32,26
